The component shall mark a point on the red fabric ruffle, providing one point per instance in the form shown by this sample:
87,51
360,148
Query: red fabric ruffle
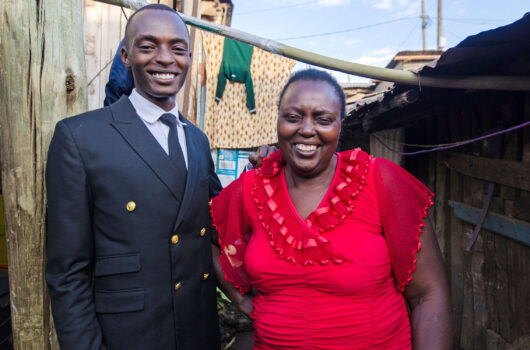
229,219
307,244
404,203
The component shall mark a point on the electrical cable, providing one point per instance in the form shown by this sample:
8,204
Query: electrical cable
276,8
408,35
347,30
458,144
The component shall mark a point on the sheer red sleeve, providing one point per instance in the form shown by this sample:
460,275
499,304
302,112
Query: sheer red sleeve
403,204
230,220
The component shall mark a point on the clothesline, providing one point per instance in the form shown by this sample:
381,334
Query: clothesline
458,144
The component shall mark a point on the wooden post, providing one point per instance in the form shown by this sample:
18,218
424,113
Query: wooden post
439,36
186,95
423,25
42,80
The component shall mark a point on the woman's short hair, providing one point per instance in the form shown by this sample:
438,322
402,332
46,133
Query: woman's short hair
311,74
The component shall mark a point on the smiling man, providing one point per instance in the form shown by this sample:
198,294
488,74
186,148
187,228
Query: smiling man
129,243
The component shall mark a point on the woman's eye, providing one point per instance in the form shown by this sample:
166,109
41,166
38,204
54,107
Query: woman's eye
291,118
324,121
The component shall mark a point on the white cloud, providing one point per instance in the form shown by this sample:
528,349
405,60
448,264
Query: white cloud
383,5
408,10
401,8
328,3
321,3
405,2
379,57
351,42
461,11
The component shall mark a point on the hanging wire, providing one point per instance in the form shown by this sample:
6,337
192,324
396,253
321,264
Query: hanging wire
348,30
124,14
458,144
276,8
100,71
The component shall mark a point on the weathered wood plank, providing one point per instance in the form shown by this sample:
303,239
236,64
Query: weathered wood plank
42,80
104,27
512,228
504,172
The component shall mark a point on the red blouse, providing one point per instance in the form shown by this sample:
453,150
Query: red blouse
332,281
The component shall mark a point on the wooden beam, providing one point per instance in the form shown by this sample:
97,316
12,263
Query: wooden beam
512,228
504,172
509,83
42,80
398,101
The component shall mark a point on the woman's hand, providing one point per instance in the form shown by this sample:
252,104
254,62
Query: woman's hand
243,303
263,152
428,297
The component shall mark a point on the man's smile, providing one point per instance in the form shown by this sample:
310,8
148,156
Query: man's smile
164,75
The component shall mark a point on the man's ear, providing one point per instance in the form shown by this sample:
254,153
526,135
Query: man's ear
125,57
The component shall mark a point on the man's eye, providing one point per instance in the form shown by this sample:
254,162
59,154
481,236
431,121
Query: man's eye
179,49
146,47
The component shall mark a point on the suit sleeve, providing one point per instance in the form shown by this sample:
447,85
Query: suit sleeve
214,184
70,245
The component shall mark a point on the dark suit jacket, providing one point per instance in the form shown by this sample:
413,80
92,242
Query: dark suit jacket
117,279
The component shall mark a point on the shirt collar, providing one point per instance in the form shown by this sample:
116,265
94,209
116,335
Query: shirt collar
150,112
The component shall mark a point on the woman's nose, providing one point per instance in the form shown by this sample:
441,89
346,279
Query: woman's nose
307,128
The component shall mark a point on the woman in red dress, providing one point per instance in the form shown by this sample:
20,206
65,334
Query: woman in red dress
336,245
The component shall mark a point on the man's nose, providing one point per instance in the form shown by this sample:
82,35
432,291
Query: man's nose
164,55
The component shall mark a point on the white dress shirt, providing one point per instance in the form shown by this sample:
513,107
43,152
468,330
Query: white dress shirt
150,114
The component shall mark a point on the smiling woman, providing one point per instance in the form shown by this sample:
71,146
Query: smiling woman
331,241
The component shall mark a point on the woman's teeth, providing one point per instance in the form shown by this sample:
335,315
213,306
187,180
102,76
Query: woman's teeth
164,76
305,148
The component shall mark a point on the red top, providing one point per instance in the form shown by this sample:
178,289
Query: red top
332,281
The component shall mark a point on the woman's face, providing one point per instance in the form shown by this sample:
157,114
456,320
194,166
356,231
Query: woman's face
309,126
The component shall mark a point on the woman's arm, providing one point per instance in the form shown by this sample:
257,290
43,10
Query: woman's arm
242,302
429,298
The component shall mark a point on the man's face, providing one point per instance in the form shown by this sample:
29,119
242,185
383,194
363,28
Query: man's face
158,54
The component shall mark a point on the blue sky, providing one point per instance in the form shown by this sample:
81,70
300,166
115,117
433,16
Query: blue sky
394,25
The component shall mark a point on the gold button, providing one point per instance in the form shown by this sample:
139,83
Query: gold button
177,286
203,231
210,203
174,239
205,276
131,206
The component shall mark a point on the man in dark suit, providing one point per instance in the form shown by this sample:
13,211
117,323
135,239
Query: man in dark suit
129,249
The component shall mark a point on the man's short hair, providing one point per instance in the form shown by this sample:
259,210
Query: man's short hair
161,7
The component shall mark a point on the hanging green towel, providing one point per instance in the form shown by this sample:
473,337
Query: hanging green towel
235,67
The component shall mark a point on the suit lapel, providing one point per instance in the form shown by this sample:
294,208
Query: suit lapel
136,134
193,171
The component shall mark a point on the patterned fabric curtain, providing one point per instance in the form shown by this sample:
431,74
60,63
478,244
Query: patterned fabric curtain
229,123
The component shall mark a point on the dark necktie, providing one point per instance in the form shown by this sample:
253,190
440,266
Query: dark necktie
175,152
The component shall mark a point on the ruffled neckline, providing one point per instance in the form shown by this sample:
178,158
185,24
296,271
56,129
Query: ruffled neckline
296,240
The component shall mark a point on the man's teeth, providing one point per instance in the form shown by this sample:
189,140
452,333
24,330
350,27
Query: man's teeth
305,148
164,75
